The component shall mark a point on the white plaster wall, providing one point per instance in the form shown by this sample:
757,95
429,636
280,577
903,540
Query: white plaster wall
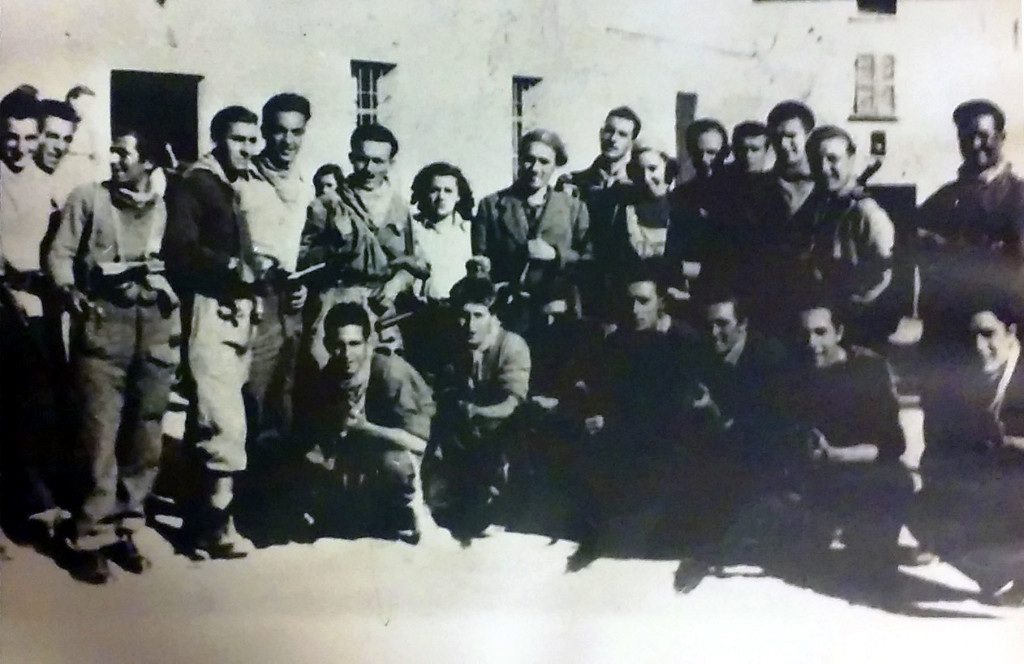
451,89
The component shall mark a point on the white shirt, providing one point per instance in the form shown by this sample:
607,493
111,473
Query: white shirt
446,246
276,213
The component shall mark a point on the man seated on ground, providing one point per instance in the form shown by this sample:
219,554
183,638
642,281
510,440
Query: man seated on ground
973,464
648,414
478,396
563,345
739,366
373,420
842,408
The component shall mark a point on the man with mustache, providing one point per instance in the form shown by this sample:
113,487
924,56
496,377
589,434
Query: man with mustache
971,230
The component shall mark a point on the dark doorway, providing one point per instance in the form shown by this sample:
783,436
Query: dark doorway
162,106
686,111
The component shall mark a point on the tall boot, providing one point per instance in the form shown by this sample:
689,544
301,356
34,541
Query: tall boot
217,536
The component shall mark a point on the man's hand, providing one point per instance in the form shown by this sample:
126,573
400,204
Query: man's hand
467,409
547,403
594,424
298,298
540,250
817,446
79,305
392,289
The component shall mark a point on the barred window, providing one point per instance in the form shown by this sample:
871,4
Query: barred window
522,110
368,77
875,93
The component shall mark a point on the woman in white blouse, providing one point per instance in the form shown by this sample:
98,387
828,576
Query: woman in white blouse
441,229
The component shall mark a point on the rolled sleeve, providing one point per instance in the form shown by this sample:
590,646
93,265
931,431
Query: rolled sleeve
68,240
514,366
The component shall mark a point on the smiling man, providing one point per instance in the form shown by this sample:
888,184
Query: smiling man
113,231
842,407
210,259
971,231
275,207
849,248
478,395
973,464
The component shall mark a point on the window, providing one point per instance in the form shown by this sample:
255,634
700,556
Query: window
523,106
162,105
370,94
875,93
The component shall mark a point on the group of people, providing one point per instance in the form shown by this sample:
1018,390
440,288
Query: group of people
621,337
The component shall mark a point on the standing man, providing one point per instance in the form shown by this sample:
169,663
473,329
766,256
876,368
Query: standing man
531,231
57,124
275,209
750,146
32,348
603,187
775,208
972,229
849,245
106,261
210,257
698,229
363,234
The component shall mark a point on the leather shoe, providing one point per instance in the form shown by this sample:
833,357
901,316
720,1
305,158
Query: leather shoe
689,574
126,555
89,567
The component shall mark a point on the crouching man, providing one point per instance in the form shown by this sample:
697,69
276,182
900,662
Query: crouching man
479,395
842,406
373,420
105,261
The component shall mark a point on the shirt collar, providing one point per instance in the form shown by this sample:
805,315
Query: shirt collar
733,356
988,175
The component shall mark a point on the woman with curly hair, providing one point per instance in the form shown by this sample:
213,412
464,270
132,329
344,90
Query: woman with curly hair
441,228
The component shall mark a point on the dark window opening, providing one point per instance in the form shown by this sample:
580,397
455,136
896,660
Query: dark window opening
162,106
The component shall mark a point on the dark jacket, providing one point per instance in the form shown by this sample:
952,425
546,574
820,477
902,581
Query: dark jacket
205,230
850,403
501,231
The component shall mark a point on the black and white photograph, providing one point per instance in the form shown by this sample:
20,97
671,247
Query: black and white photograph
516,331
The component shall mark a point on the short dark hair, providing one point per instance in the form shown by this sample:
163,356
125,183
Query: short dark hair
788,110
51,108
626,113
824,133
819,298
19,105
720,294
698,128
421,187
633,167
225,117
147,148
328,169
548,138
654,270
748,129
343,314
969,110
78,91
1000,299
377,133
473,290
286,102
